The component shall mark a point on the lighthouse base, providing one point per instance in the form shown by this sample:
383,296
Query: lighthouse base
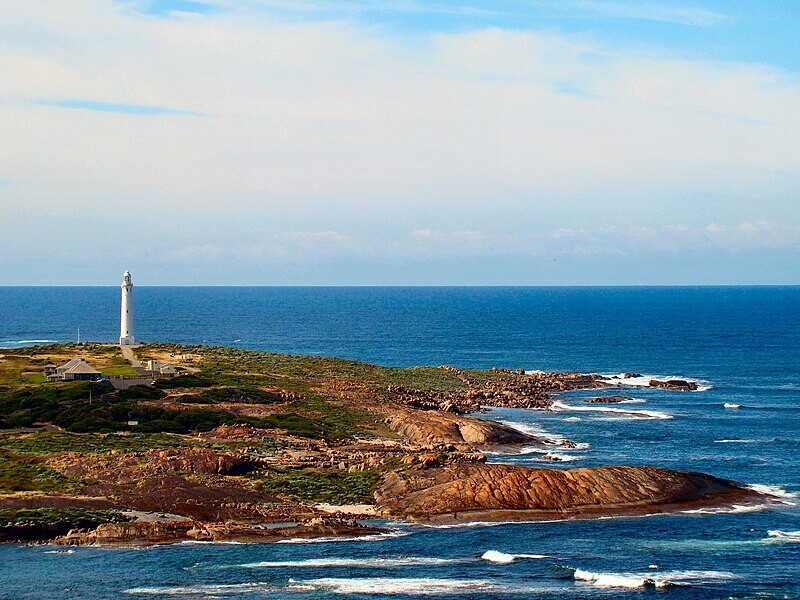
126,341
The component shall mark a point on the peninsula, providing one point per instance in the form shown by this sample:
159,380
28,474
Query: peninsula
253,446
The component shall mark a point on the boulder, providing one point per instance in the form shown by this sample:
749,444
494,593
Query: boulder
678,385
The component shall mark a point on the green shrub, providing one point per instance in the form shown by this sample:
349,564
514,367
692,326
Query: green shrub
334,487
183,381
140,392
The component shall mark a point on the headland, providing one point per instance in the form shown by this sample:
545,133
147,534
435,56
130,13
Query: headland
236,445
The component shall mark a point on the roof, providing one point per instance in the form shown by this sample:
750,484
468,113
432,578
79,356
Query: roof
71,363
83,367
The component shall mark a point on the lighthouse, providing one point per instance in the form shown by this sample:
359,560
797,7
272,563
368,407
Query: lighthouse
126,311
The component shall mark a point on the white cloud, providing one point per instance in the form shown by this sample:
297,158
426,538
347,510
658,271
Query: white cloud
318,127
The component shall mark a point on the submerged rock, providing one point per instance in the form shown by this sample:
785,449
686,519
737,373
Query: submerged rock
608,400
678,385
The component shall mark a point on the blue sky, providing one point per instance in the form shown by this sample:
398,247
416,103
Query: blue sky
313,142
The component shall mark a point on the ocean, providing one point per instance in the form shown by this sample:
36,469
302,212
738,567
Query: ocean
741,344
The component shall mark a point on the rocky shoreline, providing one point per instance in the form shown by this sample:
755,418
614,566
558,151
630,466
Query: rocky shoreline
284,447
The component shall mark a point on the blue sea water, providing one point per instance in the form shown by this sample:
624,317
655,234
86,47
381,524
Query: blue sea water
741,344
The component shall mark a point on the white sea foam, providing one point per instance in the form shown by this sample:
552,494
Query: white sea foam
775,491
496,556
213,543
201,590
644,381
427,586
784,536
659,580
377,537
557,457
727,510
536,431
572,419
379,563
732,406
3,343
464,524
637,414
745,441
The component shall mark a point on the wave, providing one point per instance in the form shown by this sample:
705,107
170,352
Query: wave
784,536
427,586
659,580
496,556
644,381
638,414
201,590
378,563
746,441
465,524
555,457
718,546
732,406
24,342
734,509
549,438
213,543
377,537
775,491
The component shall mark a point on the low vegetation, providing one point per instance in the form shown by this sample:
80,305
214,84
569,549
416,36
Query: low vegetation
333,487
27,473
45,523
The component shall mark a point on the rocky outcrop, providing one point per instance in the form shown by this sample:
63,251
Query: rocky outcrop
148,533
493,491
121,467
510,389
608,400
434,429
201,499
676,385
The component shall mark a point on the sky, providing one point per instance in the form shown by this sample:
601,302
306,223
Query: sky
346,142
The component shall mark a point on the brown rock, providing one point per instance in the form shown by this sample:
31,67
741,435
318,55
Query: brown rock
433,428
469,490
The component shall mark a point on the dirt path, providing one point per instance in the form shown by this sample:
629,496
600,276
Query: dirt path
127,353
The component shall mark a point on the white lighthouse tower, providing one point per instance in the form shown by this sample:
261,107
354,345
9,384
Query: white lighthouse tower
126,311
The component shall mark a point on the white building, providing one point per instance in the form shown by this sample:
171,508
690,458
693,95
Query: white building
126,311
76,369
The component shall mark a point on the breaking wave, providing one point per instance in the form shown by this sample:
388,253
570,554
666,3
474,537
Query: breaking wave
201,590
378,563
734,509
644,381
15,343
775,491
784,536
427,586
658,580
496,556
550,439
377,537
638,414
